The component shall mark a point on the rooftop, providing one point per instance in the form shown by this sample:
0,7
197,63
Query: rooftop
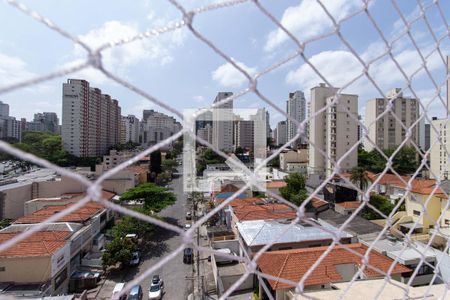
78,216
356,226
269,211
41,243
229,188
72,197
319,203
229,194
244,201
36,175
406,254
349,204
275,184
293,264
262,232
368,289
137,169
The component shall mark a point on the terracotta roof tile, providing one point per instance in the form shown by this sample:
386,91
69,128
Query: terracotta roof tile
42,243
80,215
137,169
318,203
349,204
229,188
275,184
270,211
243,201
293,264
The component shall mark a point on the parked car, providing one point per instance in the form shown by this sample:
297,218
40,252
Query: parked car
117,289
135,293
188,215
156,290
156,279
135,260
222,259
187,226
188,256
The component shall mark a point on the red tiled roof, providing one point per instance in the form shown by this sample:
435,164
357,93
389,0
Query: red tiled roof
137,169
229,188
422,186
276,184
293,264
270,211
80,215
349,204
318,203
387,178
42,243
243,201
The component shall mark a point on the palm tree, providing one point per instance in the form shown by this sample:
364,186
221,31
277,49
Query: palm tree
359,177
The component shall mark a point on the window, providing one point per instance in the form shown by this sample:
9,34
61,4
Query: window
416,212
2,269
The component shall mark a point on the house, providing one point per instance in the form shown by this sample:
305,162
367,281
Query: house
407,254
339,265
384,184
258,233
294,161
275,185
372,288
423,193
42,258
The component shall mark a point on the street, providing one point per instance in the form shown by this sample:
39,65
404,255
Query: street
174,272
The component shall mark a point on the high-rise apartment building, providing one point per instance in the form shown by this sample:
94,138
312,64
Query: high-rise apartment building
296,110
157,127
244,134
205,133
131,128
281,138
440,142
385,130
90,120
46,121
333,131
4,109
223,123
268,130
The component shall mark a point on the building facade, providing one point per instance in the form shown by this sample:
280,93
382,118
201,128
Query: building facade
90,120
244,134
46,121
296,110
281,138
157,127
333,131
223,123
131,128
386,131
4,109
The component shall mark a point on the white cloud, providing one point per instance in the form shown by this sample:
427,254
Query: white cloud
308,19
13,69
153,50
228,76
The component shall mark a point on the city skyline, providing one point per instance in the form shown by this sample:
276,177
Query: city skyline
172,64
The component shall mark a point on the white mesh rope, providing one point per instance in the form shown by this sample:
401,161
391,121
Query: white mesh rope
94,59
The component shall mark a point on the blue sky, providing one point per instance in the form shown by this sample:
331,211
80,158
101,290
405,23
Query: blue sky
183,72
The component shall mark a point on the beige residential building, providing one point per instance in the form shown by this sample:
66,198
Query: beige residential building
333,131
244,134
223,123
294,161
386,131
281,136
90,120
205,133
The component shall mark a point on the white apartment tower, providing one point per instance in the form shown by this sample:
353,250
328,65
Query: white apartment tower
281,137
296,110
223,123
333,131
131,128
90,120
439,161
385,131
157,127
205,133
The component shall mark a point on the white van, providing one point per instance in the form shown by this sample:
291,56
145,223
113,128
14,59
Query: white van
117,289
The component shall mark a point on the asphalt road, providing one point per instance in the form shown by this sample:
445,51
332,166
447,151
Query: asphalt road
174,272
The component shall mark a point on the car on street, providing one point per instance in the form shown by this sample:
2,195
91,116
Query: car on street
156,290
156,279
135,259
135,293
187,226
188,215
117,289
188,256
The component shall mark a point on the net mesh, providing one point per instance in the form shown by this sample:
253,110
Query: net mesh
93,59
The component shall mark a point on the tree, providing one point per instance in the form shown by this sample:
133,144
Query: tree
379,202
128,224
295,189
239,150
155,197
169,165
359,177
208,157
404,162
118,250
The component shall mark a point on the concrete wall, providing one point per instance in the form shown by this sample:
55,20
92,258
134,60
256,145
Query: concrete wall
25,269
228,281
433,209
233,245
13,201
